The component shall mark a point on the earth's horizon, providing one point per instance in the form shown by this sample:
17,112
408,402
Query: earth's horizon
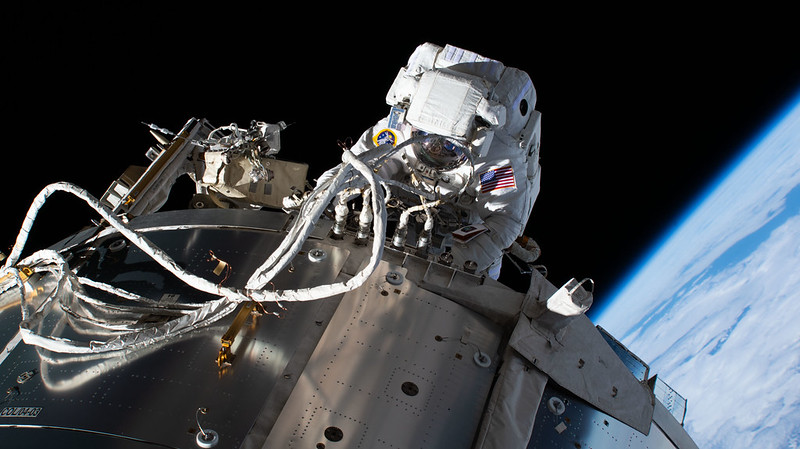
714,308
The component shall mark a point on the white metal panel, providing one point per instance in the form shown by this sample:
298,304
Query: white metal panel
398,367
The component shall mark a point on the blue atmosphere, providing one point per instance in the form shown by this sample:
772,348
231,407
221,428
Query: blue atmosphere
713,307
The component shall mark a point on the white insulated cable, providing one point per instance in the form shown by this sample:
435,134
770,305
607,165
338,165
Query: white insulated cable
275,264
137,239
210,311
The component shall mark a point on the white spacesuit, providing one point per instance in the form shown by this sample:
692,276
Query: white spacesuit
468,135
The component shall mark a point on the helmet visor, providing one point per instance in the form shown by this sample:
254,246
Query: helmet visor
438,152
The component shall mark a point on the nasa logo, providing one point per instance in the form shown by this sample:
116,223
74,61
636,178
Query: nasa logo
20,412
385,136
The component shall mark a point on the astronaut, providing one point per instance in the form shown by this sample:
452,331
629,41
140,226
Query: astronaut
467,137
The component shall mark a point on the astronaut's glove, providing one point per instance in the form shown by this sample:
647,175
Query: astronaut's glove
526,249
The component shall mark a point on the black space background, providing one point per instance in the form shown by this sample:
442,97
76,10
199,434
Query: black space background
641,110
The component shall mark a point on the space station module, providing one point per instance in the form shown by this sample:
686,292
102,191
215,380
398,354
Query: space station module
468,137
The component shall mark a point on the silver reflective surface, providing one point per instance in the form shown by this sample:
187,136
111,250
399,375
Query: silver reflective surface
153,394
564,421
390,364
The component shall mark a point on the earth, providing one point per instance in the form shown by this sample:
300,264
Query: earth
715,307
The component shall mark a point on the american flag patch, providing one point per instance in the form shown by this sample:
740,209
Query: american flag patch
497,178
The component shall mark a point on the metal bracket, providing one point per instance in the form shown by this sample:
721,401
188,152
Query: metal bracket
225,356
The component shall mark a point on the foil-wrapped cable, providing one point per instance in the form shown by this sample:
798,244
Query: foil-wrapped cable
228,300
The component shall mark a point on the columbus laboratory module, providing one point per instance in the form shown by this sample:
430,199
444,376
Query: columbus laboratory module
365,310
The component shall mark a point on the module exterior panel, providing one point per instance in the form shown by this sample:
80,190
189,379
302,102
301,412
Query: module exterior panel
398,367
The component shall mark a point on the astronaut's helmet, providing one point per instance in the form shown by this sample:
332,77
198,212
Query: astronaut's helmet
438,152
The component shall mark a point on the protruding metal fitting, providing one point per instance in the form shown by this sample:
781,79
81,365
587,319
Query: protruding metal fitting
117,245
556,406
205,438
317,255
26,376
481,359
394,278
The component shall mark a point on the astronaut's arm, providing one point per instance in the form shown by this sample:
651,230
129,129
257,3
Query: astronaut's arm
505,216
503,228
